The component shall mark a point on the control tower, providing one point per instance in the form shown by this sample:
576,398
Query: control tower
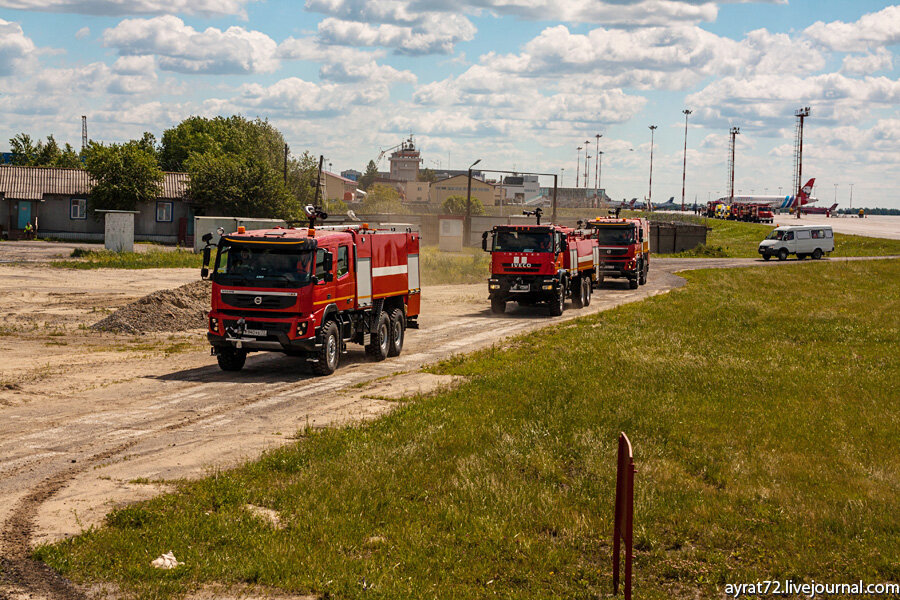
405,162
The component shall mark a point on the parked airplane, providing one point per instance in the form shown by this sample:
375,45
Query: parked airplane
623,204
818,210
671,205
777,202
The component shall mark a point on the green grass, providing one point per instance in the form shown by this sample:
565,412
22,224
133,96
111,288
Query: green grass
438,268
765,428
151,259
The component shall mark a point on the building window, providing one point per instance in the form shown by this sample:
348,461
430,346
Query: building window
163,212
78,209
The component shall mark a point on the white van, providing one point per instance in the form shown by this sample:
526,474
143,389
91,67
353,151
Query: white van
802,240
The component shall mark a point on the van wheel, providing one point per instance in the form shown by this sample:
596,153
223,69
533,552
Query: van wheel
498,306
329,355
578,292
398,332
381,338
817,254
767,256
782,254
231,359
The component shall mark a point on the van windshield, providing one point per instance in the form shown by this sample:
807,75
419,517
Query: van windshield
273,266
776,234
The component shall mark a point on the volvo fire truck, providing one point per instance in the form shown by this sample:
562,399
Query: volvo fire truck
533,264
308,292
624,248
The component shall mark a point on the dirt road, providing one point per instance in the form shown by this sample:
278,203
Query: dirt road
101,419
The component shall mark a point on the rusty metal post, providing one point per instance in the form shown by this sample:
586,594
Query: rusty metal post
623,525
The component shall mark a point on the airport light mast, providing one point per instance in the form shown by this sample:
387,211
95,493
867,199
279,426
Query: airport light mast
650,192
734,131
684,167
801,115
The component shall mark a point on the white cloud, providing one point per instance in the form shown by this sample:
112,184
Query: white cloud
342,64
15,47
435,34
871,31
181,48
866,64
82,33
116,8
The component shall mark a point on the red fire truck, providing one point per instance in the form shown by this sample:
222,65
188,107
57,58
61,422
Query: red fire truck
307,292
624,248
538,263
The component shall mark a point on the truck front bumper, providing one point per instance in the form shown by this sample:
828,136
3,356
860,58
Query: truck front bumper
534,288
288,336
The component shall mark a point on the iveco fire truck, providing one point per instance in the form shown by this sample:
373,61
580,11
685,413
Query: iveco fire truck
532,264
307,292
624,248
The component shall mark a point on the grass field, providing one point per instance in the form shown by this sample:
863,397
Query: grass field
735,239
765,428
438,268
152,259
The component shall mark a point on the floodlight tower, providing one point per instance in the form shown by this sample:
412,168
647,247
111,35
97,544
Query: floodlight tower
578,167
597,170
586,163
734,132
684,168
801,115
650,192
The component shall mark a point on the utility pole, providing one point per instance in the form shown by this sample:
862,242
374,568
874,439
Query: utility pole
650,193
562,177
84,137
801,115
684,167
467,234
578,166
734,131
587,171
851,197
586,163
597,170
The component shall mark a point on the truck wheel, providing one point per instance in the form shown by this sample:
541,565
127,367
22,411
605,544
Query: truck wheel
782,254
633,283
578,292
381,339
588,290
329,355
558,305
817,254
642,275
398,333
498,306
231,359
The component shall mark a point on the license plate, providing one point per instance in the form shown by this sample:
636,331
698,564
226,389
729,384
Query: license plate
520,288
255,332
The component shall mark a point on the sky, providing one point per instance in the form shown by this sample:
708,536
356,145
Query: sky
518,84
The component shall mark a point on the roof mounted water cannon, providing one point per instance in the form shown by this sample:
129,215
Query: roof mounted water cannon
312,213
537,212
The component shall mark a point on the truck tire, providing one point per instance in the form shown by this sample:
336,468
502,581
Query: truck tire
633,282
381,339
558,305
782,254
817,254
398,332
642,274
588,290
329,355
578,292
498,306
231,359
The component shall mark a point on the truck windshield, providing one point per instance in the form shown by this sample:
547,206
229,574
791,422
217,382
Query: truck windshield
270,265
614,235
522,241
775,234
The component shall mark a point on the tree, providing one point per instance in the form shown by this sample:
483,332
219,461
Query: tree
456,205
26,153
221,135
124,175
368,178
427,175
382,199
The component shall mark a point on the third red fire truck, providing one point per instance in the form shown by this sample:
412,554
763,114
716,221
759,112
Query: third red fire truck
533,264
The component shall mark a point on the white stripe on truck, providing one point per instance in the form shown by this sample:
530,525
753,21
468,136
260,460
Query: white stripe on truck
384,271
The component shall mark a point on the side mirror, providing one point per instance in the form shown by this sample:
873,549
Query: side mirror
484,237
204,270
207,237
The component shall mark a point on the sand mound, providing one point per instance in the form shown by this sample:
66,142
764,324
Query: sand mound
178,309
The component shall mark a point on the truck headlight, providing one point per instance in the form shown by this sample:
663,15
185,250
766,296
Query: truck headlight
214,325
494,286
547,287
301,328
